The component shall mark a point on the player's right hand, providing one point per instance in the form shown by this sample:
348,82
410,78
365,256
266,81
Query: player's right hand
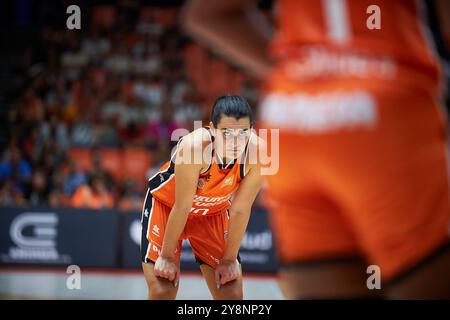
168,269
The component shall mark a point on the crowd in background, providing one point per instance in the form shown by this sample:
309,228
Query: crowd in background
124,81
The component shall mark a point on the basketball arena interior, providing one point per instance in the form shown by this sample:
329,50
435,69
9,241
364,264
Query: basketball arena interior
88,104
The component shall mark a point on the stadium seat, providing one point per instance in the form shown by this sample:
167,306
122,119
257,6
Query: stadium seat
82,157
135,163
104,16
111,160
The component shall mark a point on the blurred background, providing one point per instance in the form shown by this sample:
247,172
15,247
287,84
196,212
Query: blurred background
96,107
86,118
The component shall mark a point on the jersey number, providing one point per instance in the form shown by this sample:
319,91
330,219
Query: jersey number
336,17
194,210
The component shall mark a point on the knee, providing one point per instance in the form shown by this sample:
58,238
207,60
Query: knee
229,294
235,295
159,293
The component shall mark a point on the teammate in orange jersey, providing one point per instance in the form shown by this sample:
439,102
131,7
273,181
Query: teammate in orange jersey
191,198
354,87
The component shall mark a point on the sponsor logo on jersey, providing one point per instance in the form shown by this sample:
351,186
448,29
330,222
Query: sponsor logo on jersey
155,230
201,201
201,183
227,182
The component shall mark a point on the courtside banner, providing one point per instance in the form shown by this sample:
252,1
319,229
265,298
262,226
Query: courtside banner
257,248
131,238
53,236
257,251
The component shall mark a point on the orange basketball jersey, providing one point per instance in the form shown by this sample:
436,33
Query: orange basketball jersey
215,188
359,39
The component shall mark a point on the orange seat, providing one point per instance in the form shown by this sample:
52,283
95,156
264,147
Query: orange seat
120,163
136,162
104,15
111,161
82,158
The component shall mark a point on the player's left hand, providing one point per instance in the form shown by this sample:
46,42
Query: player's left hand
226,271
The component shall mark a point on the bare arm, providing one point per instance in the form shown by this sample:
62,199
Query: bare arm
186,179
240,212
233,28
242,206
228,268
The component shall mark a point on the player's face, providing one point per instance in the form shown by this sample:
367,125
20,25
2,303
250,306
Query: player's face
232,136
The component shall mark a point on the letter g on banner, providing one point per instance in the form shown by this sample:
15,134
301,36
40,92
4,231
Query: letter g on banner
43,227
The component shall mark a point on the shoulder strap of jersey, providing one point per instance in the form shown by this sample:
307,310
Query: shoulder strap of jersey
174,155
208,129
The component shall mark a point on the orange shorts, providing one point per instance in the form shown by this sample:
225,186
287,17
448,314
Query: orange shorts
207,235
377,190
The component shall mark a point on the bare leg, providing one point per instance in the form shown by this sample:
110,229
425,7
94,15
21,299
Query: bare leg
429,281
230,291
158,288
333,280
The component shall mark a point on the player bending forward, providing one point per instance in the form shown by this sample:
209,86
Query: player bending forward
189,199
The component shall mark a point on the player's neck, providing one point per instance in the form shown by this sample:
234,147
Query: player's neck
221,160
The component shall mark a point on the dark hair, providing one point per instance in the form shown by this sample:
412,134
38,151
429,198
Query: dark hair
231,106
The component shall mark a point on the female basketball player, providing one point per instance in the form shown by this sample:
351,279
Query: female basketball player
362,191
191,198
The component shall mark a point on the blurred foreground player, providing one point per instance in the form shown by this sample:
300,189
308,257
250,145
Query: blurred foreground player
191,198
363,176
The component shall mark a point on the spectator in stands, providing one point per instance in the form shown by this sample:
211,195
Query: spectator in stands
105,134
93,195
149,63
96,45
31,143
189,110
55,129
31,109
73,59
151,91
118,61
57,198
37,191
132,134
83,131
74,178
117,85
10,195
15,168
161,155
131,199
162,128
99,171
